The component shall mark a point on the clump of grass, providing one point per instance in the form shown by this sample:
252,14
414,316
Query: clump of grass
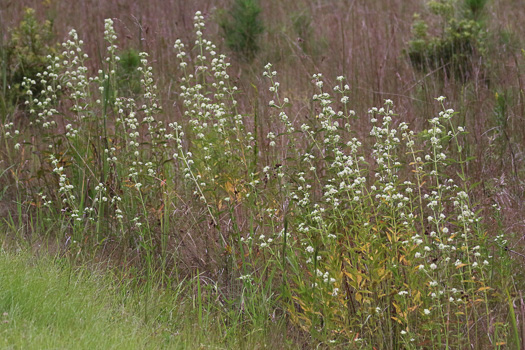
303,30
356,245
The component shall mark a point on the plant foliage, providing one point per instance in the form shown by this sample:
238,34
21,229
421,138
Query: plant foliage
455,48
241,26
24,55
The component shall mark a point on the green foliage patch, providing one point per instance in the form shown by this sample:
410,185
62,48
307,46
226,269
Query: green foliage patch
459,38
24,55
241,27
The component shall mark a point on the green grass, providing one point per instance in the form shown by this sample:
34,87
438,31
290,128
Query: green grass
48,306
47,303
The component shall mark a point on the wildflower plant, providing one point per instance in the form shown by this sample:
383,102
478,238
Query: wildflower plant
391,242
101,147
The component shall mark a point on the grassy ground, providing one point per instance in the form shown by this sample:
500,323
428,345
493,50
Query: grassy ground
47,303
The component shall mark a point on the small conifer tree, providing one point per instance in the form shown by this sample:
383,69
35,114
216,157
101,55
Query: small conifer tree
242,26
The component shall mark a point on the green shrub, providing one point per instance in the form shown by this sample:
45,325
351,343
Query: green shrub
128,75
475,8
241,26
25,55
454,50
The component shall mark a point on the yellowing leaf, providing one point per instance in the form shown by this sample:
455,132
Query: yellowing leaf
358,298
349,275
398,308
359,279
397,320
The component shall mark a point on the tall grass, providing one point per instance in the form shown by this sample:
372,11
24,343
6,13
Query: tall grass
356,240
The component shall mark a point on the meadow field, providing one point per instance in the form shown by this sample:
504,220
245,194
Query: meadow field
262,174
